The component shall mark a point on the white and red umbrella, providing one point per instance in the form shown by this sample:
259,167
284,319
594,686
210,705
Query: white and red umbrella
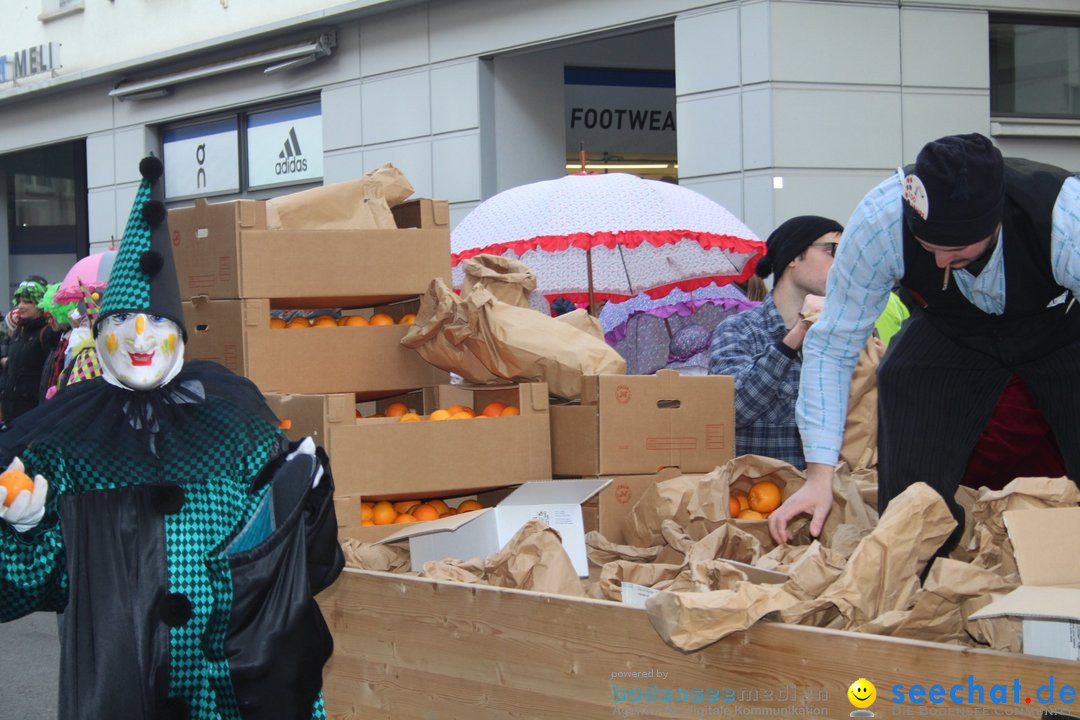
613,235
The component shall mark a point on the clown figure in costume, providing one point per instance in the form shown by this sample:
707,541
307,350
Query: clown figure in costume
172,523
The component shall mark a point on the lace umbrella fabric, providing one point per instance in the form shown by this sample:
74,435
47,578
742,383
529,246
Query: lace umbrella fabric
91,271
646,236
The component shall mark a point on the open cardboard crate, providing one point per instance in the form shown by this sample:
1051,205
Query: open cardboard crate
637,424
366,360
382,458
224,251
410,648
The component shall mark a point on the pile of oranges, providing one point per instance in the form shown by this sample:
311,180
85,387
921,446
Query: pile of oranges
385,512
452,412
300,321
758,504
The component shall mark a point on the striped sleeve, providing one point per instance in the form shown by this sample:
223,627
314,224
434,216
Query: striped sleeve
869,262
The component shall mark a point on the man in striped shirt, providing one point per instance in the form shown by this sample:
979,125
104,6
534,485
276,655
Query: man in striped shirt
990,249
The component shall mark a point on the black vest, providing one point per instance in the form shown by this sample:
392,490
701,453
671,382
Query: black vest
1031,189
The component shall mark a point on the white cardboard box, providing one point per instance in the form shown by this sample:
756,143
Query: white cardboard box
483,532
1045,543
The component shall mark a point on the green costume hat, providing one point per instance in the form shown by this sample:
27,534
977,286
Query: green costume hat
33,289
143,278
59,311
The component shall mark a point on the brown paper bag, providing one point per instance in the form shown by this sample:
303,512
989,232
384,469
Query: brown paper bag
523,345
509,280
350,205
395,186
367,556
859,448
583,321
883,572
436,335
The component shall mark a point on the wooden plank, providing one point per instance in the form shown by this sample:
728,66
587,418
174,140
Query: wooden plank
407,648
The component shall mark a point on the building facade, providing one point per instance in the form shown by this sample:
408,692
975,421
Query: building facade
771,107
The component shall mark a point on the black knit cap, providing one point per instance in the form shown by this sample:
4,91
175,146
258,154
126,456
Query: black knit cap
955,194
790,240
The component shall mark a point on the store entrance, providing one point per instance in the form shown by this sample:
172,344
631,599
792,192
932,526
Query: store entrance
46,224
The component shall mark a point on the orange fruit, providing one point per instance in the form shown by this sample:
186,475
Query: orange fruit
380,319
276,322
298,322
448,513
456,408
407,319
765,496
404,518
734,508
461,416
510,410
367,511
15,481
383,513
750,515
404,506
324,321
493,409
439,415
396,409
439,505
409,417
425,512
469,506
367,523
354,320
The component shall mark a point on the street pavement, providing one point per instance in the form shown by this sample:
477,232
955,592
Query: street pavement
29,657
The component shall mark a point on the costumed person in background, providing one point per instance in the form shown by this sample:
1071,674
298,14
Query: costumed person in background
28,349
990,250
82,363
58,315
170,520
761,347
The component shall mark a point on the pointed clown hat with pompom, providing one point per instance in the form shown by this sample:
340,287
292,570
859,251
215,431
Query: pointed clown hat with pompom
143,277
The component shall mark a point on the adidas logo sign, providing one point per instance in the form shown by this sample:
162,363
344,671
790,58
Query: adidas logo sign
290,159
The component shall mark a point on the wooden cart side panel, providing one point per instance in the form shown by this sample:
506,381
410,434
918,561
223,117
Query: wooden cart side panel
412,648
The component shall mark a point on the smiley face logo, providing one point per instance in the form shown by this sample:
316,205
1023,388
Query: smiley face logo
862,693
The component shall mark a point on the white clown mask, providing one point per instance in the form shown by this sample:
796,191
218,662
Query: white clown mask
139,351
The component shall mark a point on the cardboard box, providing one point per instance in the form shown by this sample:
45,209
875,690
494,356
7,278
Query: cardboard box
387,459
483,532
605,511
224,251
1045,543
637,424
368,361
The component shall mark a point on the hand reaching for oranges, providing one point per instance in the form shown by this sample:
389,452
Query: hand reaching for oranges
22,500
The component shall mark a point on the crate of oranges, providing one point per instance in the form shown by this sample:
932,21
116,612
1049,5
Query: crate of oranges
370,520
313,355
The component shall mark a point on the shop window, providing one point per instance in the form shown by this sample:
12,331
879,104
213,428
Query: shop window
1035,67
47,200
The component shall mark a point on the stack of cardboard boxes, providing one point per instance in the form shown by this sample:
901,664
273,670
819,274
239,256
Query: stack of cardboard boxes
233,272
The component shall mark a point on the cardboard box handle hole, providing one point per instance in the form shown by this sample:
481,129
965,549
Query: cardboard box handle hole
669,404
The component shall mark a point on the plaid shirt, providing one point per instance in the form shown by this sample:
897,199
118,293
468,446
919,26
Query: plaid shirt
766,373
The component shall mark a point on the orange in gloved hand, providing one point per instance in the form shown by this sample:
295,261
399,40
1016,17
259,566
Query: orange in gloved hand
15,481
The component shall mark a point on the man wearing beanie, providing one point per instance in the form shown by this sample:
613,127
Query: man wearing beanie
761,347
990,249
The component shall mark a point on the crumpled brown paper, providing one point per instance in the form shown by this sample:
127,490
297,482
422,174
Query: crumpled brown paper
859,448
362,204
534,559
883,572
438,335
692,620
601,551
368,556
509,280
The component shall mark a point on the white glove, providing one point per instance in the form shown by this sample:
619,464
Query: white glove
307,447
28,507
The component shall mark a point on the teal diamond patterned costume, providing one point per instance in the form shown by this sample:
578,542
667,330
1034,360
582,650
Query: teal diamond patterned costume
181,541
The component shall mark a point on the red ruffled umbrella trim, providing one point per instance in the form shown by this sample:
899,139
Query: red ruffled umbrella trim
626,238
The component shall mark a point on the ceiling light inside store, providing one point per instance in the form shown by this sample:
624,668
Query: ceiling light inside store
277,60
622,166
